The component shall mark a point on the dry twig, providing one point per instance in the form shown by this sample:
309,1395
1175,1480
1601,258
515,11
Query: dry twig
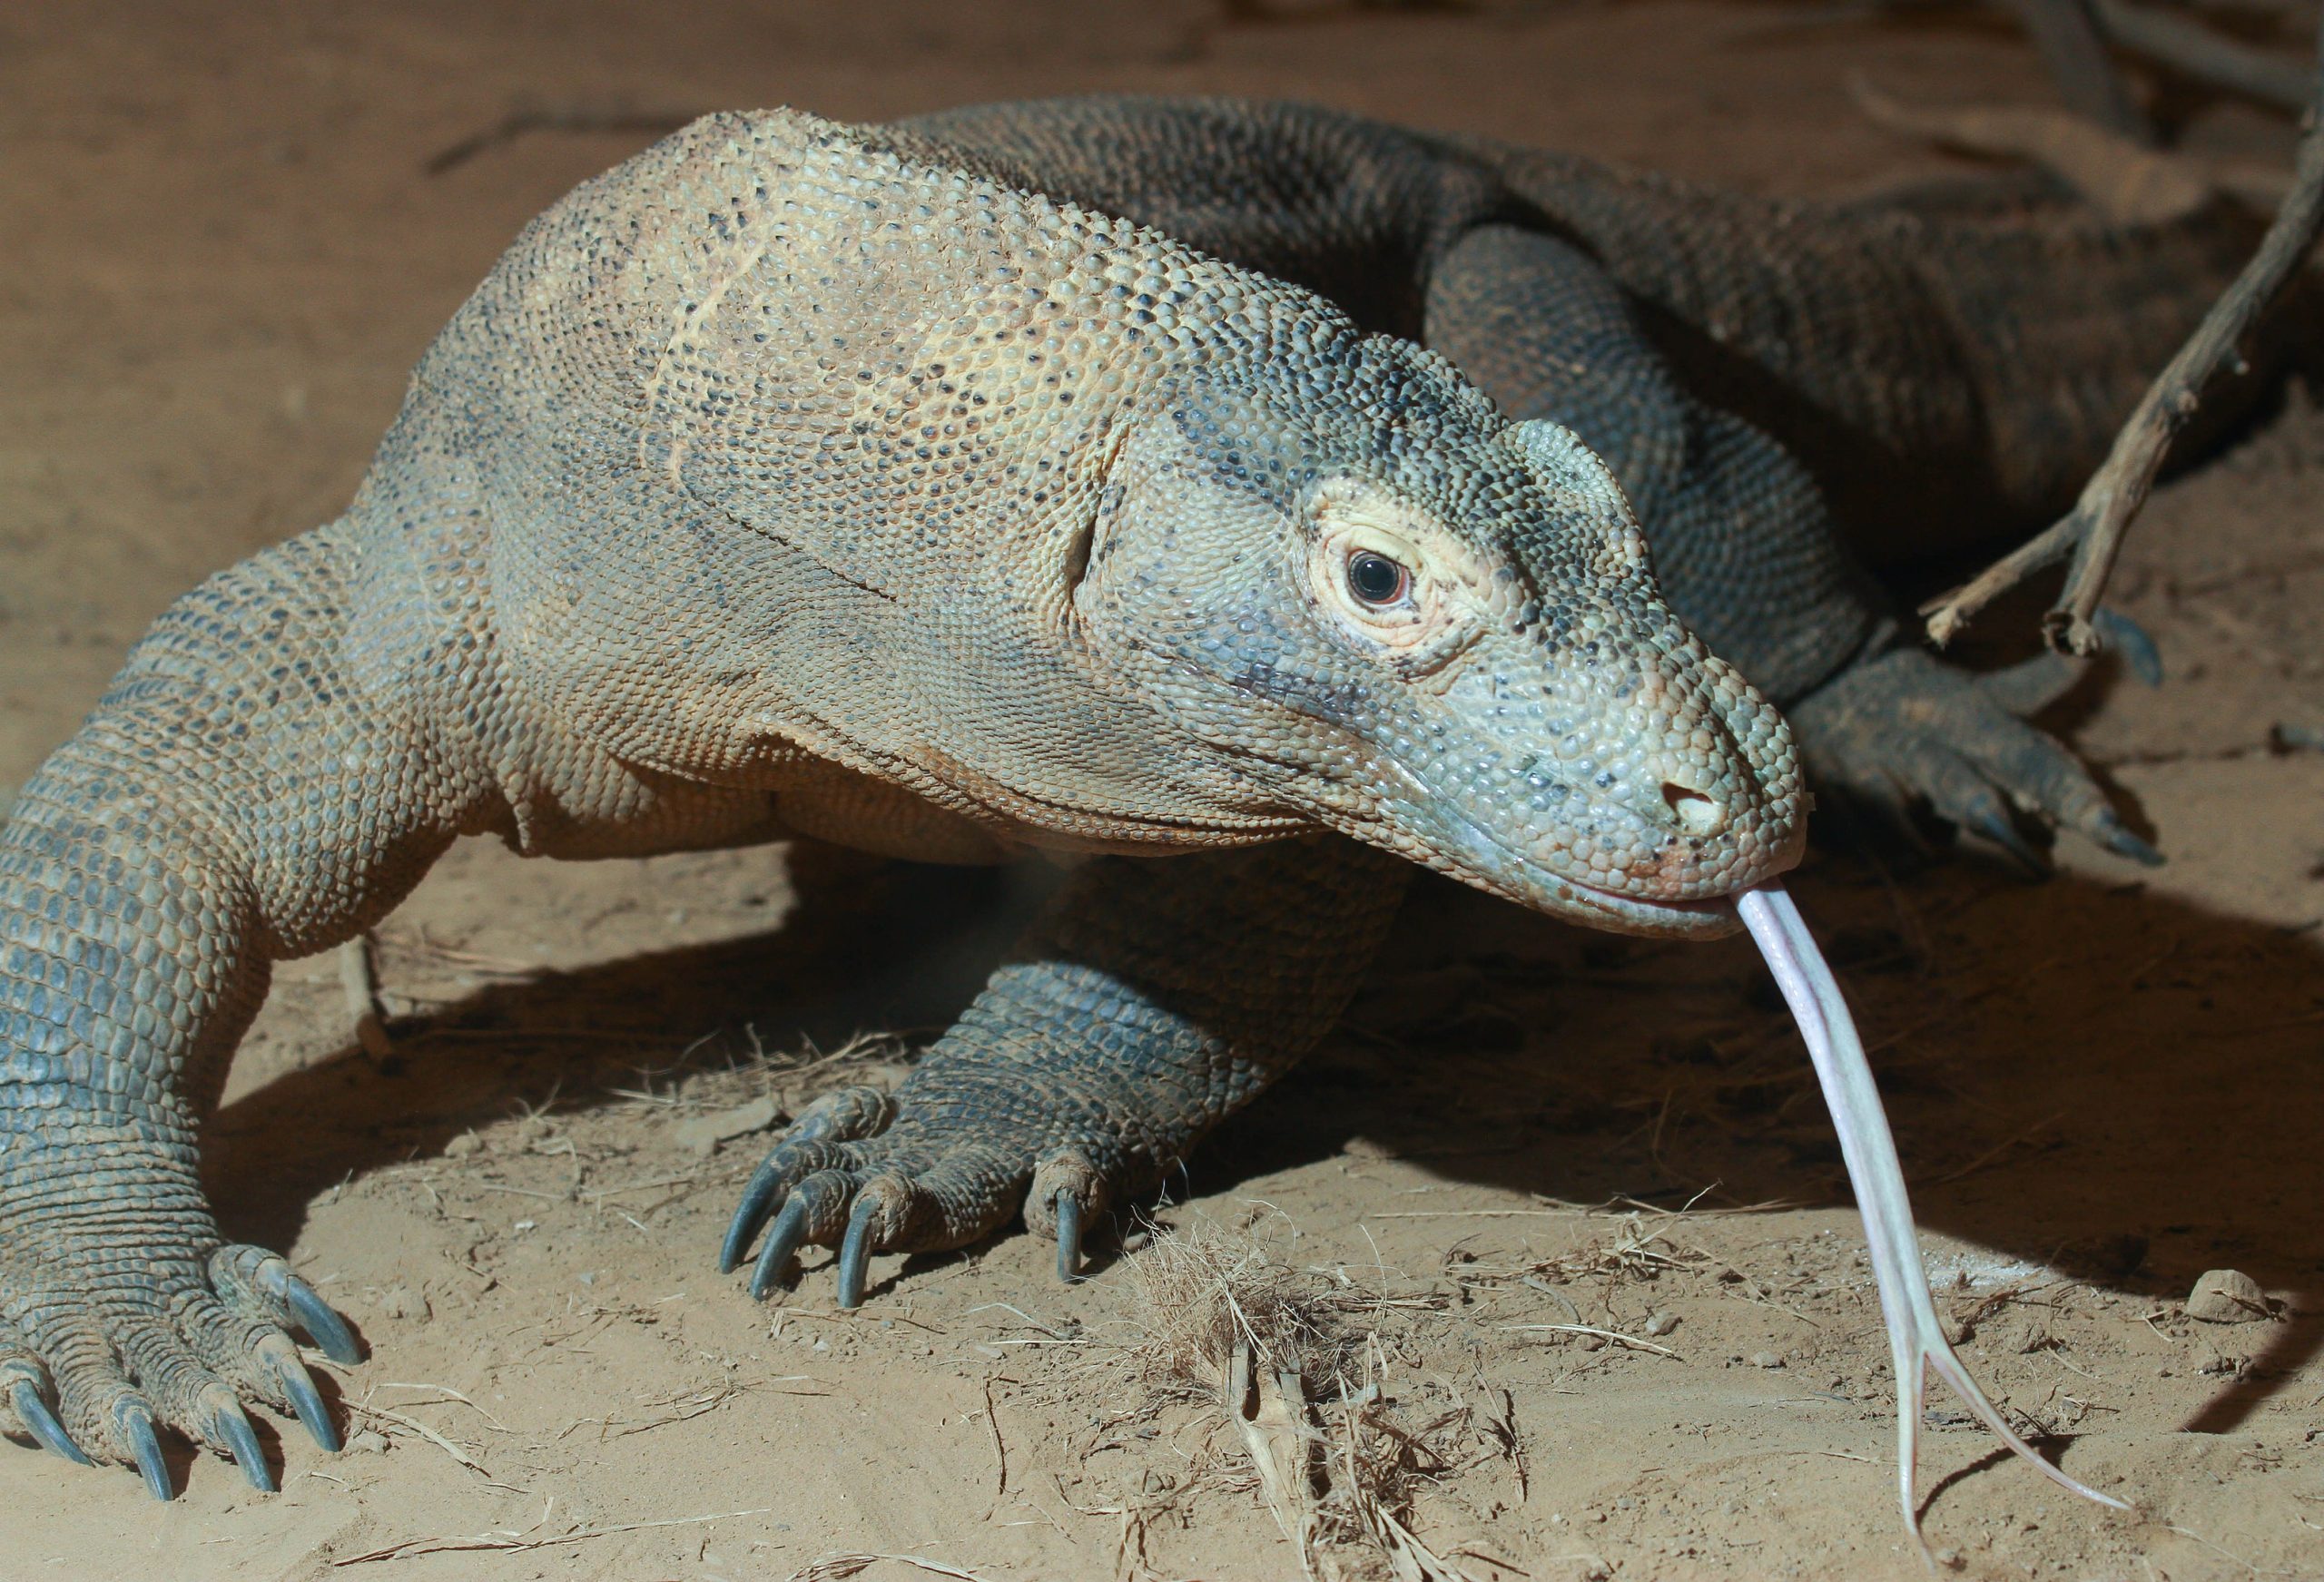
2130,183
358,980
2068,37
448,1543
2210,58
839,1568
2092,531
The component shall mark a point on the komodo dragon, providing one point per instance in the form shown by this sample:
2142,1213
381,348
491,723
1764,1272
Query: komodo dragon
896,487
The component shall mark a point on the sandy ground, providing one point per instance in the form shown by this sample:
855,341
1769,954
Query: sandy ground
224,249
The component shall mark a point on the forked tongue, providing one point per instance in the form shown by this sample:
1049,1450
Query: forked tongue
1916,1342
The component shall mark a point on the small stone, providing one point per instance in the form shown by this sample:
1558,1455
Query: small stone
465,1145
1661,1323
403,1303
2227,1296
1766,1360
367,1442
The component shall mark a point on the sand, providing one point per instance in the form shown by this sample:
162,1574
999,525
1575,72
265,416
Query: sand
225,249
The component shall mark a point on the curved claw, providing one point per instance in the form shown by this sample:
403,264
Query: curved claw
2126,637
1995,827
42,1424
2118,839
758,1200
136,1425
309,1404
323,1326
1068,1238
855,1252
789,1230
232,1426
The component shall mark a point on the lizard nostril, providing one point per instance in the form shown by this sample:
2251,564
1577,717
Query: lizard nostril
1692,810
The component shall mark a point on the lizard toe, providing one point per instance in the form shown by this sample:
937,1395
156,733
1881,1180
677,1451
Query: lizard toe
28,1393
1069,1191
132,1416
241,1341
813,1211
70,1388
258,1283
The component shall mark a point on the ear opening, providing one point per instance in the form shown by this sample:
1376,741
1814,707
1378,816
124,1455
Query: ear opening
1077,555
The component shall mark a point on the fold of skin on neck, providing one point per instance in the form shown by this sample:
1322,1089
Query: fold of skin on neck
1916,1342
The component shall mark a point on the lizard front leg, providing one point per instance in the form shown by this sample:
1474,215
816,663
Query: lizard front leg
1749,555
1159,994
236,797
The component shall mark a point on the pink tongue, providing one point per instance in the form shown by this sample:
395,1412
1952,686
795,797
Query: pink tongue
1915,1341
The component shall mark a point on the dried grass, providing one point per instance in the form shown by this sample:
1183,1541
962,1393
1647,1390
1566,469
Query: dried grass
1292,1361
1200,1294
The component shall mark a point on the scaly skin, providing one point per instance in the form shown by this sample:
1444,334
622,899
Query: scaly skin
799,480
1792,395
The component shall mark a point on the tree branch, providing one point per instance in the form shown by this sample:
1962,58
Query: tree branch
2194,51
2092,531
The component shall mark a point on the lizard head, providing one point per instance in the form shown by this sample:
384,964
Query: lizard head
1435,629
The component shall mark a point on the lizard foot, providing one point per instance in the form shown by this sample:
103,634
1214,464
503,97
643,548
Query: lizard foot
151,1339
870,1172
1904,728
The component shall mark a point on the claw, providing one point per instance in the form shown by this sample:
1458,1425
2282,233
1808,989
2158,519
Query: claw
1995,827
855,1252
758,1198
1068,1238
323,1326
789,1230
41,1422
2129,639
2116,838
307,1404
230,1425
136,1425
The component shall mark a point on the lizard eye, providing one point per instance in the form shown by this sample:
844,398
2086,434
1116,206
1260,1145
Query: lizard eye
1376,580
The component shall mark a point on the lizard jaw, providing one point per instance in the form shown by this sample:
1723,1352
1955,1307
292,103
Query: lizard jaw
1622,914
1543,889
1475,858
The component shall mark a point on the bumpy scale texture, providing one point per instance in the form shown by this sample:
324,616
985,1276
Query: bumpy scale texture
1004,479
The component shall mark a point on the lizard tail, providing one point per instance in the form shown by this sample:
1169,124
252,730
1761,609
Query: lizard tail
1982,346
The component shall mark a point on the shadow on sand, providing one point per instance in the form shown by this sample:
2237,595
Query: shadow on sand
2097,1079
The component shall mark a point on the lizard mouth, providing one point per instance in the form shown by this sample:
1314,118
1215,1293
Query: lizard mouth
1476,857
1702,919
